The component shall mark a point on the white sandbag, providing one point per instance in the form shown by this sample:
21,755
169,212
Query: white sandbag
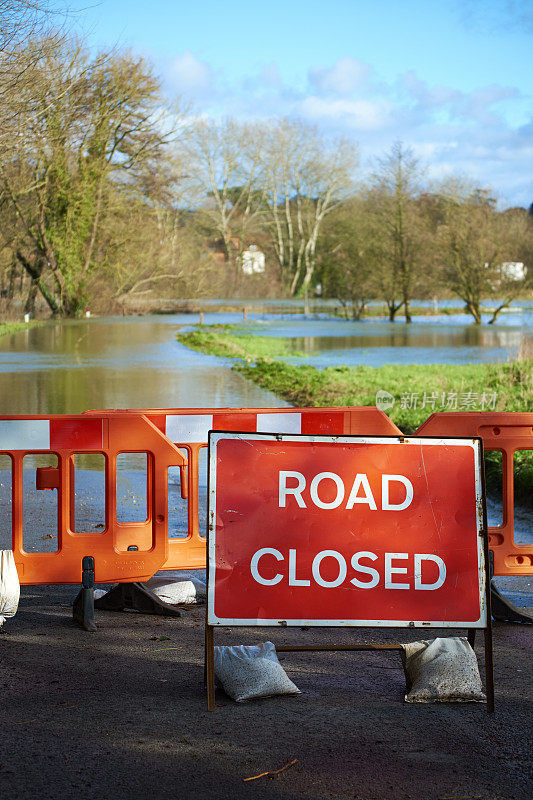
444,670
195,577
9,586
250,671
173,590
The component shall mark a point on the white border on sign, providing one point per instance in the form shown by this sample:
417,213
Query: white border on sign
212,619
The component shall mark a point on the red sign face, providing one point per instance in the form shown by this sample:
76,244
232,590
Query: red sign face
345,531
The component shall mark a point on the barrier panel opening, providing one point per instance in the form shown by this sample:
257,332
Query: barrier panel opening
6,501
202,491
523,500
132,487
494,474
40,506
178,519
89,486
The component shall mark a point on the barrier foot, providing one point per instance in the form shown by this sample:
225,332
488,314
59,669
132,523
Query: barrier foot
505,611
137,597
83,606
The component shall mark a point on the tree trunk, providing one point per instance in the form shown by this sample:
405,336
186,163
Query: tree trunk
393,309
29,305
358,309
12,278
497,312
35,271
474,309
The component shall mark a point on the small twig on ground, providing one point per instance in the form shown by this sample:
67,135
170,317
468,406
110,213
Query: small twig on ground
272,772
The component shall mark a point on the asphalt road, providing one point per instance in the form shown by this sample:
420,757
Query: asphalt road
122,713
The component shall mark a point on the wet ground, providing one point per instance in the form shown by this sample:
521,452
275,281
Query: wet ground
122,713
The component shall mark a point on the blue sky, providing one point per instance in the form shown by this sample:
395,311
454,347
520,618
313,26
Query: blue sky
451,79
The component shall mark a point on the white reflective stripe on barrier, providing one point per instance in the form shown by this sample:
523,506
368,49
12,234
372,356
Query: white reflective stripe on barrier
28,434
279,423
184,428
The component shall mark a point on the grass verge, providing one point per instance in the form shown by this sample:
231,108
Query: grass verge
417,390
220,340
14,327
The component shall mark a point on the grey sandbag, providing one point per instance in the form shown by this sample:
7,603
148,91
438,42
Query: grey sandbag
249,671
443,670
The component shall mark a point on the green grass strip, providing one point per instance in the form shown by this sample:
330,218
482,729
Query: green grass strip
14,327
416,389
219,340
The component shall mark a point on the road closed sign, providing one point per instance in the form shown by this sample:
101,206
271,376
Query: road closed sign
318,530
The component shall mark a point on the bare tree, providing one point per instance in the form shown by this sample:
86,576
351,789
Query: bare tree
305,177
349,256
27,29
484,253
225,159
19,21
150,237
396,189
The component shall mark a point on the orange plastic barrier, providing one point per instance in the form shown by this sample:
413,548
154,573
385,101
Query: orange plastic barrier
123,552
188,428
506,432
176,437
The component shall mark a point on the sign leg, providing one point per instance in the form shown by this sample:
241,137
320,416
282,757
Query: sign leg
489,667
210,667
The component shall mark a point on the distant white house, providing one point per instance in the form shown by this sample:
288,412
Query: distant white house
509,272
253,260
513,271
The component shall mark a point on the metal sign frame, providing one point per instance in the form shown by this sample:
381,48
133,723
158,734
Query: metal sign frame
483,622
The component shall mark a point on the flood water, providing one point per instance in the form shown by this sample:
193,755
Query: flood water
429,340
115,362
136,362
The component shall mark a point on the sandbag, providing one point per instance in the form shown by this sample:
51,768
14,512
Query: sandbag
9,586
174,591
246,672
183,589
443,670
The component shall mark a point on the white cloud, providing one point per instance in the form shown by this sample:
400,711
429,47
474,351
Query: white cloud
354,113
414,88
190,75
483,133
478,105
346,76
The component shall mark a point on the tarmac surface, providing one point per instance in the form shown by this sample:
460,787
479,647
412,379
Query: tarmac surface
122,713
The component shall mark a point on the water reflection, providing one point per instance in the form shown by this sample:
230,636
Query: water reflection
417,337
374,342
67,368
135,362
